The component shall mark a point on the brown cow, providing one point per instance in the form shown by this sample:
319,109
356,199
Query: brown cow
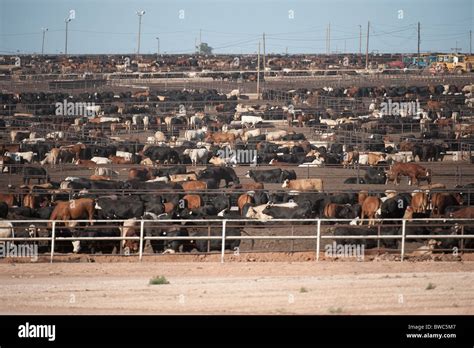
75,149
432,186
406,146
192,201
220,137
370,208
119,160
9,198
463,213
141,174
374,158
249,186
441,200
414,171
419,202
72,210
31,201
86,163
244,199
169,207
351,158
362,196
332,210
304,184
193,185
183,177
100,177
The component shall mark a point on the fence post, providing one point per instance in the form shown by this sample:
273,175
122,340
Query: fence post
53,236
142,222
223,240
292,241
404,222
318,239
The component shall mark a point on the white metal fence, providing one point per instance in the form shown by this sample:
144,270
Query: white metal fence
223,237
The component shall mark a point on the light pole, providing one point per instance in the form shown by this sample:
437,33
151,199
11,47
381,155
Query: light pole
42,45
139,14
72,15
158,40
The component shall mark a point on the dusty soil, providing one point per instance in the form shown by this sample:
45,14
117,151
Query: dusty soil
382,287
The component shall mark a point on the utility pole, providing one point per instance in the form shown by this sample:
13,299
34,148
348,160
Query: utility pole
140,15
258,72
264,54
470,42
42,45
200,40
418,43
70,17
456,49
327,32
367,47
360,40
329,39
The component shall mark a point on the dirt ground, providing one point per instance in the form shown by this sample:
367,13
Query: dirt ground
383,287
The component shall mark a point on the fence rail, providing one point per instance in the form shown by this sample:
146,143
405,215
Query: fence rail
318,237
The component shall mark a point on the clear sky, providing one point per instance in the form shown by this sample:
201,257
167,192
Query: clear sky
234,26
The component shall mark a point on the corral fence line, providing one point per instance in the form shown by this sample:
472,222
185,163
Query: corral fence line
223,237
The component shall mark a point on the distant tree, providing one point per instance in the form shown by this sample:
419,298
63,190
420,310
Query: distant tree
204,48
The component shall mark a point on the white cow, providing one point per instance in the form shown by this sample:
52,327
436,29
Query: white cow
276,135
197,155
160,136
198,134
257,211
101,160
128,225
250,120
316,163
127,155
251,134
108,119
101,171
146,122
159,179
17,156
6,230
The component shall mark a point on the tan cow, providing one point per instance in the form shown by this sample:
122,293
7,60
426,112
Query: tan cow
304,184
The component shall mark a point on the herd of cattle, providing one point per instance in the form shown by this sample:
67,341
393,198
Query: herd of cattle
156,193
39,64
192,174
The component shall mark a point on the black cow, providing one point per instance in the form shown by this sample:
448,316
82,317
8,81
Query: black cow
394,208
95,246
356,231
271,175
220,173
109,208
160,230
216,244
35,173
3,210
353,180
166,171
162,154
302,211
374,176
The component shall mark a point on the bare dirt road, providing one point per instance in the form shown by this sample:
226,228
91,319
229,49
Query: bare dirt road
238,288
